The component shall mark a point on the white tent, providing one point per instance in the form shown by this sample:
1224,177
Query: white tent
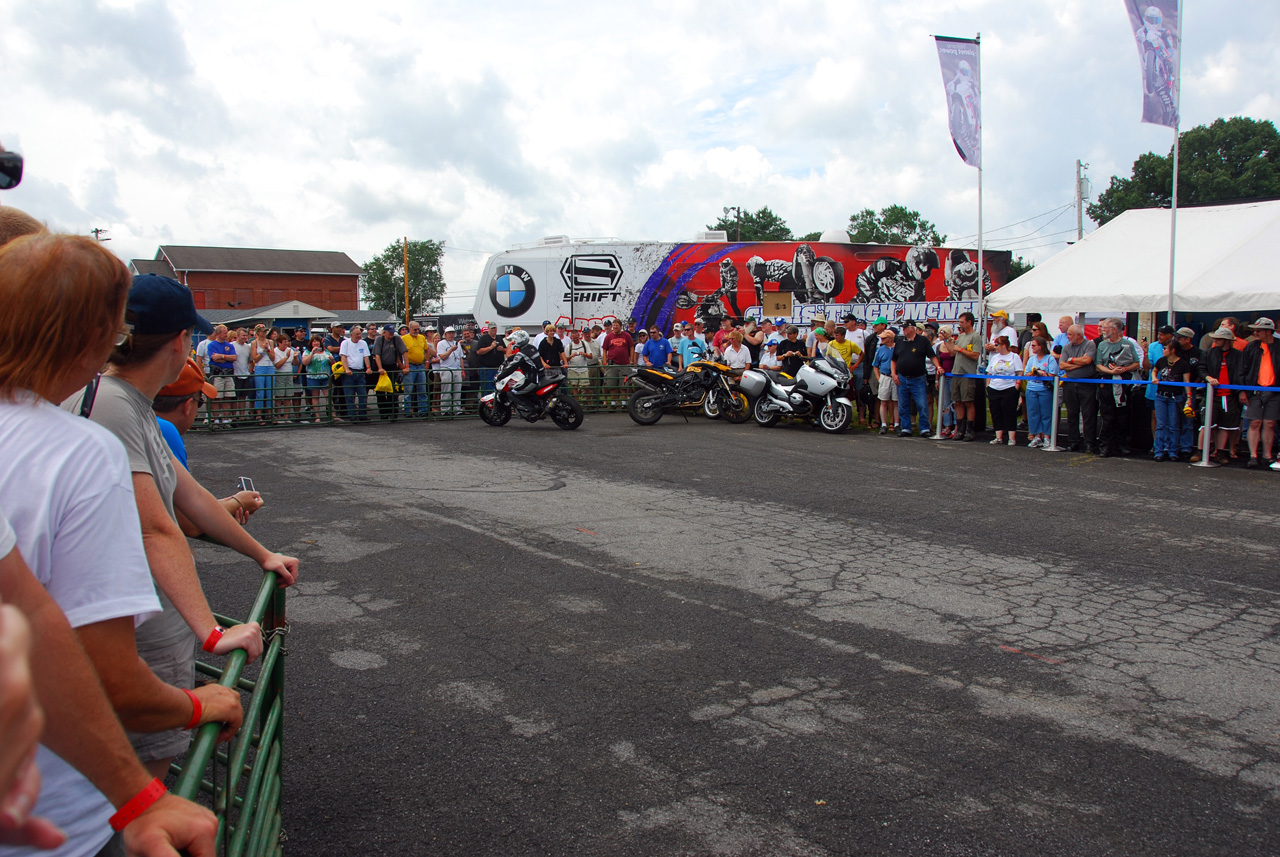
1223,265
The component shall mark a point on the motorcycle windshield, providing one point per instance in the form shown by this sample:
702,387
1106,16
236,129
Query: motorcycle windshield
835,368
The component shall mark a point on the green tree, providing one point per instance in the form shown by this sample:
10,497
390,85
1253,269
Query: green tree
895,224
762,225
1232,159
1019,266
382,283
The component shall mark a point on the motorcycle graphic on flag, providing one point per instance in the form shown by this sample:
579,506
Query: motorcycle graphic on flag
1155,29
961,74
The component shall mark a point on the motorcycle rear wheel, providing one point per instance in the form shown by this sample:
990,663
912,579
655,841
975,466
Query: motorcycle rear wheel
739,409
642,409
567,413
835,419
495,413
764,417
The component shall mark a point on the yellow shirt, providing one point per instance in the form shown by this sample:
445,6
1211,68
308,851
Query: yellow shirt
415,348
845,349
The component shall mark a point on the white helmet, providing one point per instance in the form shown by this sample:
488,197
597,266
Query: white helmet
518,338
1153,16
965,69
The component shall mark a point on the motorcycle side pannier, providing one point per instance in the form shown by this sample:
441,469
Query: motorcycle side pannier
753,383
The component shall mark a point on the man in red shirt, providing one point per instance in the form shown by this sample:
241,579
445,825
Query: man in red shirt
726,327
619,349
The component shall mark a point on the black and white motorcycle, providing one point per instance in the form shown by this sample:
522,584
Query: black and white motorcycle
819,391
523,387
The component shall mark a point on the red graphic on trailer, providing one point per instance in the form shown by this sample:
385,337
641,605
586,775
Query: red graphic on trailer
714,281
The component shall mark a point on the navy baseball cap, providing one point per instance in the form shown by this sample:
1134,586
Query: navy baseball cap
389,327
163,305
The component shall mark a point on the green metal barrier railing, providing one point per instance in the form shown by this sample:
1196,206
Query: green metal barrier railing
243,784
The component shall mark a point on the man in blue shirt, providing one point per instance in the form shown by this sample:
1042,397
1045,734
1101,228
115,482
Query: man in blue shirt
657,350
692,348
220,360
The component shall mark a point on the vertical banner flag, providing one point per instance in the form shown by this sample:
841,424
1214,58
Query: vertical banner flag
1155,29
961,74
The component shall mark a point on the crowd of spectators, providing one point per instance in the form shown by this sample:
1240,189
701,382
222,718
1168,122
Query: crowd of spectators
901,374
95,568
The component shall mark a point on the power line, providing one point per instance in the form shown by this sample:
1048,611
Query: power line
1037,246
465,250
1011,225
1038,232
1039,236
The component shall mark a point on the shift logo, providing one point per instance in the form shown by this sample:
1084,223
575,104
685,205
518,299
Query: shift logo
511,290
591,278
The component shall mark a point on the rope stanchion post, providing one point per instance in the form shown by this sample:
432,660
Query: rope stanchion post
1057,417
937,430
1206,441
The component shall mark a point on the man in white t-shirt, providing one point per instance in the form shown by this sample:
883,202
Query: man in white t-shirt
1000,327
448,367
241,372
202,350
354,354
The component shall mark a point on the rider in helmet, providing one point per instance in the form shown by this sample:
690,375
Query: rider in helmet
521,351
898,280
921,262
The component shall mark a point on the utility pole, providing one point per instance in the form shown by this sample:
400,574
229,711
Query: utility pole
1082,193
408,317
98,232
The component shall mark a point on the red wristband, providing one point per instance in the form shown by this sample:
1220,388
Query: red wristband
137,805
196,710
214,636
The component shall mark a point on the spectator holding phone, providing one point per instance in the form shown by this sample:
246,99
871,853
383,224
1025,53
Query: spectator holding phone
162,314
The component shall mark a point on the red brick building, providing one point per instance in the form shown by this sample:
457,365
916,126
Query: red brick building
233,277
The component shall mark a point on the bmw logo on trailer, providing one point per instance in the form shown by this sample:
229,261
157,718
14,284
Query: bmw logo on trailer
511,291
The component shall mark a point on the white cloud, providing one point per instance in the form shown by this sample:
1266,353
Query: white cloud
327,126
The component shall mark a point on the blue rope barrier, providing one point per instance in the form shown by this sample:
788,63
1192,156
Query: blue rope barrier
1047,378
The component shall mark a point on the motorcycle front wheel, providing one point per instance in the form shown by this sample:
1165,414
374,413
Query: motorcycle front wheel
495,413
567,413
739,409
713,404
762,415
642,407
834,418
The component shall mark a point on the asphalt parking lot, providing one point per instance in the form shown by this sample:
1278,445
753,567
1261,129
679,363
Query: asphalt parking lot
698,638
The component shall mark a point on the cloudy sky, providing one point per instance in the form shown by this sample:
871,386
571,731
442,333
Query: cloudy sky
344,126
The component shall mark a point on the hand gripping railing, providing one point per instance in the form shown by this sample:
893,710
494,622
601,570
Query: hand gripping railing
243,785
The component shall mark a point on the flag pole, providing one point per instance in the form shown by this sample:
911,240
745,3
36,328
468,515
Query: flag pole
1173,208
982,279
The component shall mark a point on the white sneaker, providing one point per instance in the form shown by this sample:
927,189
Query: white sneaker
1013,440
1035,443
1275,465
999,441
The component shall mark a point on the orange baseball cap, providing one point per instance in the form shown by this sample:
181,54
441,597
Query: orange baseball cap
190,381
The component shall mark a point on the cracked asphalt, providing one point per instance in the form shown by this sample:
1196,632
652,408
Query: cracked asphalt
697,638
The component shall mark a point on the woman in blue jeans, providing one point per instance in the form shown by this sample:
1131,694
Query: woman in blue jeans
264,370
1040,416
1170,401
